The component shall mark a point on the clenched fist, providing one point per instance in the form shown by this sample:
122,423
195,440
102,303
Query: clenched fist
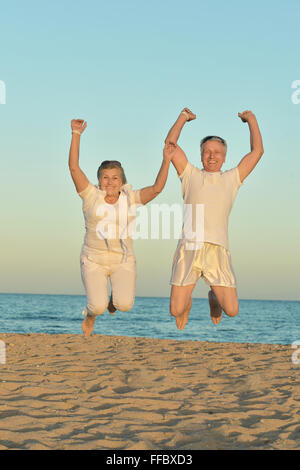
78,125
190,116
246,116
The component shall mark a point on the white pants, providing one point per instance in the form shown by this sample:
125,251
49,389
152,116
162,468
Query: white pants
96,267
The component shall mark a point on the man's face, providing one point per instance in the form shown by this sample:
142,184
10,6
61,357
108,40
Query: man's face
213,155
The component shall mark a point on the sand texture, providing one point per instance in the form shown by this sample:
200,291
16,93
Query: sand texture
109,392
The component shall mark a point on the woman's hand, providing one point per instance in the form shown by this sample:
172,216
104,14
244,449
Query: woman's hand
188,113
169,151
78,125
247,116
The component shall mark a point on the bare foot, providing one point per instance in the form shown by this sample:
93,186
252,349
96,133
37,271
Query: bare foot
88,325
215,308
182,320
111,308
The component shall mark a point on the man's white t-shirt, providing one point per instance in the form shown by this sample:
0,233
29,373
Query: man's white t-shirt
216,192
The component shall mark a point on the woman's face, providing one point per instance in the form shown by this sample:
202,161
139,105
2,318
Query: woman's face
111,181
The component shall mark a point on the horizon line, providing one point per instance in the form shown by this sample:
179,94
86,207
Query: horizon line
146,296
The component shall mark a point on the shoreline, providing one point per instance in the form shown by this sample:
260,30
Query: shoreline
98,335
65,391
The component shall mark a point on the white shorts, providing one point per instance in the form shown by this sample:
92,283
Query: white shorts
211,262
96,267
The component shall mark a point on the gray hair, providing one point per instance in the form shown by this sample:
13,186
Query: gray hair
212,137
109,165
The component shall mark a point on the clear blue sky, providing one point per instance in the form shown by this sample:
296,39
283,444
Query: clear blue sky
128,68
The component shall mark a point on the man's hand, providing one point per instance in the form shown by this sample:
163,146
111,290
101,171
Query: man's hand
247,116
188,113
78,125
173,136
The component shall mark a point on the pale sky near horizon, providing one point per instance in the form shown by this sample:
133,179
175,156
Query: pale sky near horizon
128,68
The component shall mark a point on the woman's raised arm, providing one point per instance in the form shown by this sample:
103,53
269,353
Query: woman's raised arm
150,192
80,180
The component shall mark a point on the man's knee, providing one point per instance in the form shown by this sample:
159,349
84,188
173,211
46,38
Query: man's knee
177,308
180,299
232,310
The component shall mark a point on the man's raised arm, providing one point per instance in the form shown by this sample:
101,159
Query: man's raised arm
179,159
250,160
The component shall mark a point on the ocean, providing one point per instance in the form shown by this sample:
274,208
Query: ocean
258,321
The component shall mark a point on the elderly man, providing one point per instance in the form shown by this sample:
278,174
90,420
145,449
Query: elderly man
215,192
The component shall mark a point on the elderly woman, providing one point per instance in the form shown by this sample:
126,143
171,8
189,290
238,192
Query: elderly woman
109,211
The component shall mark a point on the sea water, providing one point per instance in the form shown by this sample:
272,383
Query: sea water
258,321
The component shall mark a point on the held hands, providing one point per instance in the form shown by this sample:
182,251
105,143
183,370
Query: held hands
78,126
169,151
247,116
188,113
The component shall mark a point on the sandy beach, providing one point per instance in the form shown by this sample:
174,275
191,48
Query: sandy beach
108,392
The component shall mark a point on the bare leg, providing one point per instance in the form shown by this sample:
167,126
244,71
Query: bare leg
223,298
88,325
181,304
215,308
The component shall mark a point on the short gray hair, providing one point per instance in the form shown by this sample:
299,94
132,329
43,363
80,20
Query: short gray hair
212,137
